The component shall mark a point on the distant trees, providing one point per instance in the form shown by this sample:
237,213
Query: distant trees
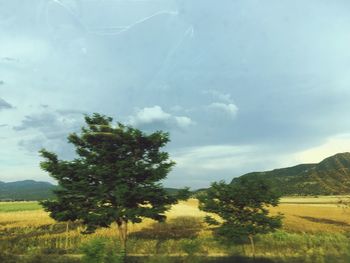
242,208
115,178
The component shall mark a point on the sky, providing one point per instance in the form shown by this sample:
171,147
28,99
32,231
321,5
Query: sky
241,85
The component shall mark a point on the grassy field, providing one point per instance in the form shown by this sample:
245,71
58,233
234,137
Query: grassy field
315,230
19,206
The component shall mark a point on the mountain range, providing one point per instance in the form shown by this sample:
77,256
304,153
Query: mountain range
329,177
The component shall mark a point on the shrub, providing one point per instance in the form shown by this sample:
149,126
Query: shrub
99,250
191,246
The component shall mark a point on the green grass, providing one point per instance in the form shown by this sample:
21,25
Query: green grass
19,206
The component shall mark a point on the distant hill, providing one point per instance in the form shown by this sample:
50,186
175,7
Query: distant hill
172,191
329,177
30,190
26,190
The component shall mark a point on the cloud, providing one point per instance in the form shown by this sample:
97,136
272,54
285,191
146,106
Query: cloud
211,157
49,130
5,105
183,122
208,163
230,109
156,117
241,53
150,115
41,121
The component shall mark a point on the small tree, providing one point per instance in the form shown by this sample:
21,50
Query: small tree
115,178
242,208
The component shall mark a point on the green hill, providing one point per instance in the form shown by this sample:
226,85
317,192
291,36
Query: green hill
329,177
30,190
26,190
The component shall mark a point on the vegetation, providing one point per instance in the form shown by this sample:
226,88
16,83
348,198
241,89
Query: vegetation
112,191
28,190
115,178
242,208
19,206
311,233
329,177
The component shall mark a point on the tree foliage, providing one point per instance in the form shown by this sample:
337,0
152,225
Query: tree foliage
242,208
114,179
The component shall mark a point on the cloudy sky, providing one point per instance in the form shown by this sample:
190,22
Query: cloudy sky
241,85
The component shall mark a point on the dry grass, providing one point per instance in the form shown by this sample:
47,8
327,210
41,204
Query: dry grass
307,215
303,218
332,199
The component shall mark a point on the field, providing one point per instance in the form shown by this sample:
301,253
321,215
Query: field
315,230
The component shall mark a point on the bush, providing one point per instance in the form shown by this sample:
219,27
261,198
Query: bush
100,250
191,246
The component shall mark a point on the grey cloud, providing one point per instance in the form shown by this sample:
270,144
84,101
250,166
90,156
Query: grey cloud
50,130
5,105
44,121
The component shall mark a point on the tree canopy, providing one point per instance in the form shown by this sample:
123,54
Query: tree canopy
116,176
242,208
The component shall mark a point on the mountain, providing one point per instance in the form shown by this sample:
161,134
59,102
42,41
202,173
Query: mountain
26,190
329,177
30,190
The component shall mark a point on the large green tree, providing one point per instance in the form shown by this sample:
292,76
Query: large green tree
114,179
241,208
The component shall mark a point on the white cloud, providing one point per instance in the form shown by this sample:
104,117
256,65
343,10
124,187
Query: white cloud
149,115
230,109
184,122
211,157
156,116
209,163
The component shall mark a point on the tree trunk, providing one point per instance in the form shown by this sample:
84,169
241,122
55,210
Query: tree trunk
252,244
123,237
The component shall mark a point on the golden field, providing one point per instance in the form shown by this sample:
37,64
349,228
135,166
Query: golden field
302,214
313,226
